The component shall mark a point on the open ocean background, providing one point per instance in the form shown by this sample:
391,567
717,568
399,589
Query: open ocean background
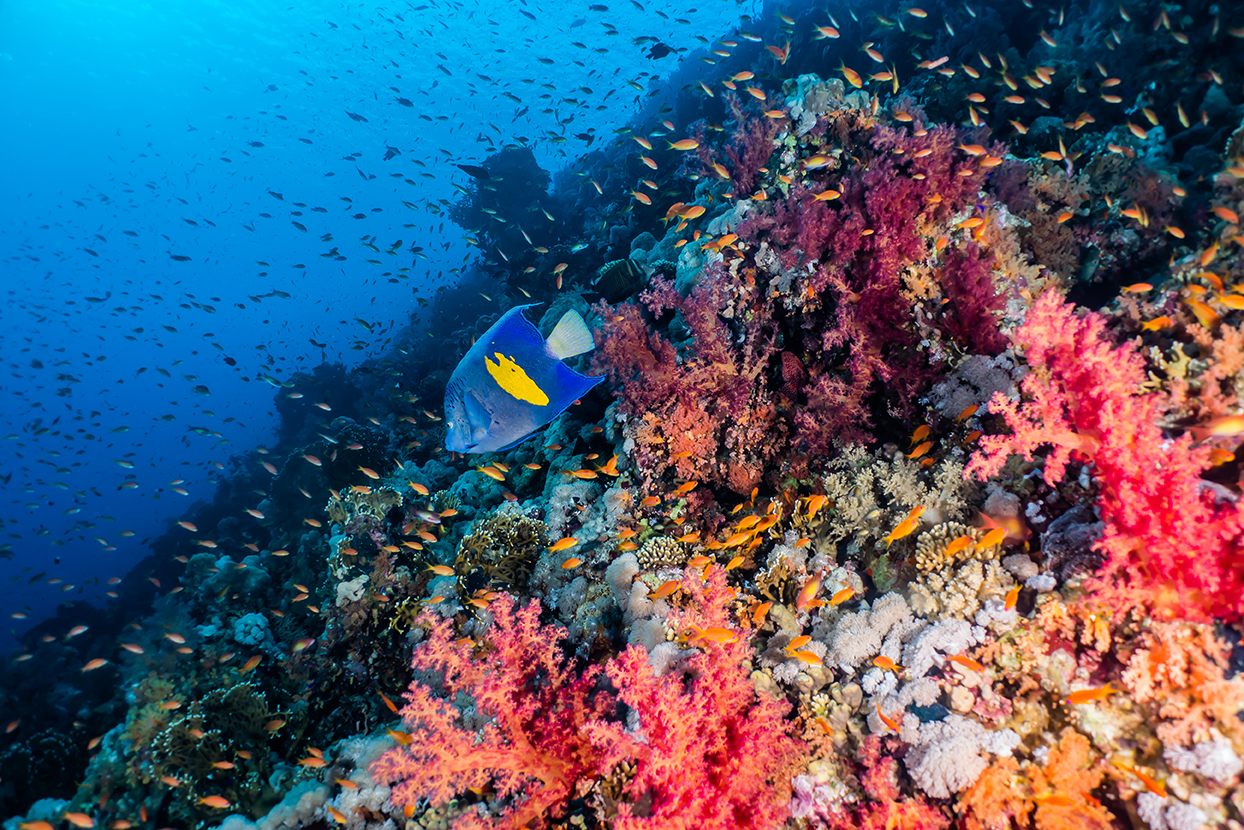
135,133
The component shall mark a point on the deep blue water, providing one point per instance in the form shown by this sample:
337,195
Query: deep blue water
137,134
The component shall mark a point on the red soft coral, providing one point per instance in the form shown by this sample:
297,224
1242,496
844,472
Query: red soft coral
540,725
1170,544
709,751
717,753
706,415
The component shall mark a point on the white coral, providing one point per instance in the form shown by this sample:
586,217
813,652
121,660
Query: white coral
1214,759
946,636
859,636
947,756
351,591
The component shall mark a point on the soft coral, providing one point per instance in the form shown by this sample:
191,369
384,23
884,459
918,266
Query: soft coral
541,726
1171,545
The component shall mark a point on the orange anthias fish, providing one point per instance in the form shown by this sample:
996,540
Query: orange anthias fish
807,592
966,662
904,528
1228,426
797,643
1091,695
883,662
492,472
1157,323
712,635
993,537
1154,786
888,721
815,503
1016,530
957,544
665,589
920,450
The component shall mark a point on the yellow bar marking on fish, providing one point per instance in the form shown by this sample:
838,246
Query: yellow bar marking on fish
511,378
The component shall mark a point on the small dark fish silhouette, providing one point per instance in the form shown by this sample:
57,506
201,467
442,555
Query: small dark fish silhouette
356,116
475,171
658,50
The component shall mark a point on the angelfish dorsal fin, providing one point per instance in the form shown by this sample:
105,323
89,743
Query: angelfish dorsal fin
569,337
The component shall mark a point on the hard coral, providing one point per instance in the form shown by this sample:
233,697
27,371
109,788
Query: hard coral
1170,544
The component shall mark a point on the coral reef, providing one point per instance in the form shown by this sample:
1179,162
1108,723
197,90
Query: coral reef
906,503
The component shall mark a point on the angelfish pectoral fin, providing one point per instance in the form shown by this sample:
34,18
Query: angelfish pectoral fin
478,418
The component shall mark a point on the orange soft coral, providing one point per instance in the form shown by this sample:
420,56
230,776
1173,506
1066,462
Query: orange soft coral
1060,791
1179,667
995,801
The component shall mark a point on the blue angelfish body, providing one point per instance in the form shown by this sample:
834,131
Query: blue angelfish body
513,381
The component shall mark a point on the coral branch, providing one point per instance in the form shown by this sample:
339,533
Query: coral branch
1170,544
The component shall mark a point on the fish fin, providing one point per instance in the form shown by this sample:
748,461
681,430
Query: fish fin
569,337
478,418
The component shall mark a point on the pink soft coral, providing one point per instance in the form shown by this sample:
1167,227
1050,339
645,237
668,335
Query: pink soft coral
707,751
715,752
538,727
1170,544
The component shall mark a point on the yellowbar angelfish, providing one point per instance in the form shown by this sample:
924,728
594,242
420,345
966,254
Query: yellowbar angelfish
513,381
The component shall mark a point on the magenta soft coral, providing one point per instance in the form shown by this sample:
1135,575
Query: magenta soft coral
706,414
751,144
1171,544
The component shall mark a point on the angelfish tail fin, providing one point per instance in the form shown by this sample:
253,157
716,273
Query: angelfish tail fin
569,337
